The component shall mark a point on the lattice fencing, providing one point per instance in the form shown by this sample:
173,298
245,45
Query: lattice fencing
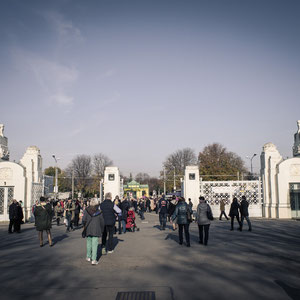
36,192
214,191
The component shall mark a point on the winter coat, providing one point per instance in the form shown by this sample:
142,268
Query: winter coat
71,210
58,211
163,206
181,213
172,207
108,212
20,213
43,214
244,208
93,219
13,211
201,215
234,209
222,206
125,207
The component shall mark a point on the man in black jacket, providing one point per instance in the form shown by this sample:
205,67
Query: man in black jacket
245,213
125,205
163,212
14,212
109,215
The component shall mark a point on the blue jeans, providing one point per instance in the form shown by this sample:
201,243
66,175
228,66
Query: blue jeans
124,226
163,220
248,221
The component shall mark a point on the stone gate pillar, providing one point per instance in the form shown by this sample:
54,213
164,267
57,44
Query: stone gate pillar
112,182
192,184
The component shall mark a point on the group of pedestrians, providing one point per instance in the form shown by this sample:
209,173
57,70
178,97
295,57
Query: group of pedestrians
181,214
99,219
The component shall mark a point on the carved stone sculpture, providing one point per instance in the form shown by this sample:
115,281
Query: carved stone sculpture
296,147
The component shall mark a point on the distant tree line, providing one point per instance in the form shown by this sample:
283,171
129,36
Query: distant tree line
215,163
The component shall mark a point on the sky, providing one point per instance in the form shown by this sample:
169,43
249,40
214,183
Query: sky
137,80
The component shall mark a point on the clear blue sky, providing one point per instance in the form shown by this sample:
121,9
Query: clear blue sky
137,80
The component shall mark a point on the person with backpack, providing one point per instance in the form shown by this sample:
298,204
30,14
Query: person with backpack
163,212
202,219
183,214
93,227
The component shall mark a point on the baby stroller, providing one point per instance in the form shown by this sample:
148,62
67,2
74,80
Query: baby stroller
130,221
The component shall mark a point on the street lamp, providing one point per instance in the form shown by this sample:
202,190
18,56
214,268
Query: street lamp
251,158
174,180
56,176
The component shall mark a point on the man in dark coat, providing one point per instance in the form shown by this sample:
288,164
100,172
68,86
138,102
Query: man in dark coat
163,212
181,213
43,214
125,205
109,215
234,212
245,213
70,214
13,217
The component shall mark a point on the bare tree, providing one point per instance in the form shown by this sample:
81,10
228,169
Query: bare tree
82,167
179,160
142,177
175,163
100,162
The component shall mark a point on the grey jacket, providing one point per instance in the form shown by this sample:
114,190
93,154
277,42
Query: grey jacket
93,219
201,215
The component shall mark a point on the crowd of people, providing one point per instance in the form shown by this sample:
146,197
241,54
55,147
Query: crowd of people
117,215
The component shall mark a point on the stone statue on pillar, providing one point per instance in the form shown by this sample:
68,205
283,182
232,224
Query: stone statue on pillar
296,147
4,152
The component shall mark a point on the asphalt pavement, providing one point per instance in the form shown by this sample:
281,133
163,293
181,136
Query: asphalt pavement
150,264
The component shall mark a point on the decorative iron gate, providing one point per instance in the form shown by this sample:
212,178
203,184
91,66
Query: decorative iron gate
295,200
36,193
214,191
6,197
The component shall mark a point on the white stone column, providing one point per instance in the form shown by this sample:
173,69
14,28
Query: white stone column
270,157
192,184
112,183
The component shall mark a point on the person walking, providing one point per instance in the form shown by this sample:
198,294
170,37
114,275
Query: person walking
76,213
109,215
93,224
141,206
125,205
13,216
222,209
183,215
163,212
234,212
58,210
119,215
202,220
43,214
190,204
245,213
70,214
171,210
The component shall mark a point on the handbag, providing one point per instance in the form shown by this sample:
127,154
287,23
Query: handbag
83,234
189,216
209,213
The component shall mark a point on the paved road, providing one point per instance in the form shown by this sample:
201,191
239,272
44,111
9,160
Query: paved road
263,264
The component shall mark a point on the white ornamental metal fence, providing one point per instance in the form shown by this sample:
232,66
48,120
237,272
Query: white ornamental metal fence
214,191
